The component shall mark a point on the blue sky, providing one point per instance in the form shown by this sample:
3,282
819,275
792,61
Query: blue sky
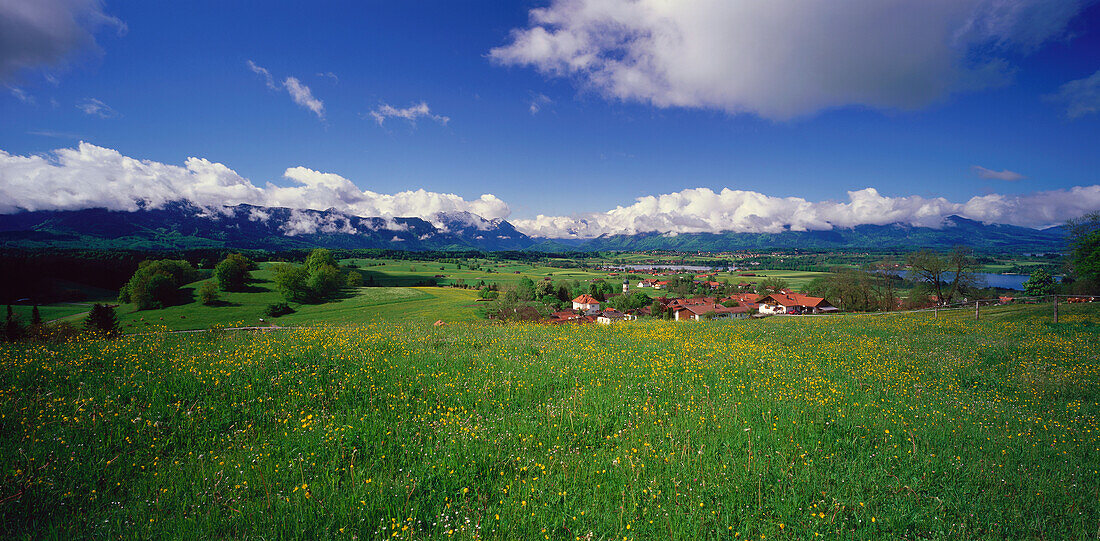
176,80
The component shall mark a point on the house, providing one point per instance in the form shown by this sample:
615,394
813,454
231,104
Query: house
565,315
586,302
608,317
794,303
660,284
699,312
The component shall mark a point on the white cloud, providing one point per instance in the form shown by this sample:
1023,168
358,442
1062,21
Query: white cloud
300,93
783,58
330,75
702,210
261,71
92,176
21,95
411,113
990,174
48,32
94,107
538,101
1080,97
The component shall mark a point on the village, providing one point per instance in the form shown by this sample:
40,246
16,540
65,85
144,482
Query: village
588,309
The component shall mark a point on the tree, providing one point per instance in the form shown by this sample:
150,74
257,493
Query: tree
320,257
290,280
525,290
631,301
962,267
1084,244
208,293
324,281
544,288
928,267
771,285
156,283
1039,283
232,273
102,320
36,317
355,279
13,328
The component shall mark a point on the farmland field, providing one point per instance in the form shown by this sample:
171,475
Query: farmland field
858,427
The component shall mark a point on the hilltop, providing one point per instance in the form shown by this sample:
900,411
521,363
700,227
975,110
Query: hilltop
184,225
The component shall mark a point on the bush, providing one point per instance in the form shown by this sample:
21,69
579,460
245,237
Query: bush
54,333
208,293
278,309
355,279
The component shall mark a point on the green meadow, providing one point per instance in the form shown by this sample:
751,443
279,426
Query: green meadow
858,427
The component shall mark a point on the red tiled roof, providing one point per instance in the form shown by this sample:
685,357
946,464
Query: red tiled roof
586,299
795,299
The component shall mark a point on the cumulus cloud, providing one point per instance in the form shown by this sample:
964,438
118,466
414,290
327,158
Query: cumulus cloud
1080,97
300,93
783,58
94,107
48,32
989,174
701,210
411,113
92,176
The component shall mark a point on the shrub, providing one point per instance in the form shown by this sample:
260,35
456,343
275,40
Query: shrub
208,293
355,279
54,333
278,309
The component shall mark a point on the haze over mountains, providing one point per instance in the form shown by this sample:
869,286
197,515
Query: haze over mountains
184,225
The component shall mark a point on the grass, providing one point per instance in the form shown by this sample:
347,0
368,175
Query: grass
861,427
50,312
356,306
405,273
362,305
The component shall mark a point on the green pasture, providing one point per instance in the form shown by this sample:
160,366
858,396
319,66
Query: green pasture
851,427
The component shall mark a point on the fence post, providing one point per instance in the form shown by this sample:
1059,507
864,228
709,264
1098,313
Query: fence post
1056,308
977,313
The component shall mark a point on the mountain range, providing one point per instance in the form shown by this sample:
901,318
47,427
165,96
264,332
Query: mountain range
183,225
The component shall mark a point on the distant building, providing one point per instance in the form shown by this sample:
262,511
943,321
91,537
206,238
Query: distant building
794,303
608,317
586,302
